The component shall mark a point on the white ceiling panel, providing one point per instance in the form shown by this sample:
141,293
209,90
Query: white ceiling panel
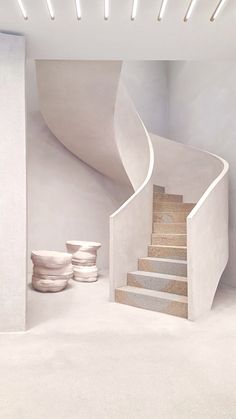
119,37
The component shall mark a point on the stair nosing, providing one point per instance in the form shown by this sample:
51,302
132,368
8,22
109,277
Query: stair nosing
160,275
179,261
168,234
172,212
158,222
156,294
168,246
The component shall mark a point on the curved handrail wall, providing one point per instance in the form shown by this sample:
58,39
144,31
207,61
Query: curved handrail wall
183,169
207,244
131,226
131,138
77,101
203,177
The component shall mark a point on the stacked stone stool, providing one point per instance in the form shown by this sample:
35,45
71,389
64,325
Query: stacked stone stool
84,257
51,271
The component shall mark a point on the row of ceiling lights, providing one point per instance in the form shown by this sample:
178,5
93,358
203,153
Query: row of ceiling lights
134,9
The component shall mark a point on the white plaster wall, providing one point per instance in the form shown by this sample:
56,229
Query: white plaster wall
131,138
66,198
202,103
77,100
12,184
183,170
146,83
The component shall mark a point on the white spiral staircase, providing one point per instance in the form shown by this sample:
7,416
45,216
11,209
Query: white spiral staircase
169,240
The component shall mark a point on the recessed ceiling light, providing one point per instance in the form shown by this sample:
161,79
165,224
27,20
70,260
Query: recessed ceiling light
50,8
162,9
106,9
78,9
23,9
134,9
190,10
217,10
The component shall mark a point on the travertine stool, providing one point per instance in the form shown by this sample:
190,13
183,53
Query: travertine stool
52,270
84,256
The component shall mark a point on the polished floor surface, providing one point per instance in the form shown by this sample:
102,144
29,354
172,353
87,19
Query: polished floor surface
85,358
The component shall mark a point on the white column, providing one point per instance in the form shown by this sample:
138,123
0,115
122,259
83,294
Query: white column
12,184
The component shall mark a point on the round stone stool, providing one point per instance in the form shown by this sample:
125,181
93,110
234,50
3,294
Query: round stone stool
52,270
84,256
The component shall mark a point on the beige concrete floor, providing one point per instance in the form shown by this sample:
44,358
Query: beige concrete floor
86,358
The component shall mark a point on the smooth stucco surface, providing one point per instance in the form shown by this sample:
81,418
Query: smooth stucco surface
202,178
77,100
202,100
147,86
84,357
12,183
67,199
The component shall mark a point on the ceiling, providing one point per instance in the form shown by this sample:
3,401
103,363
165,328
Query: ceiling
92,37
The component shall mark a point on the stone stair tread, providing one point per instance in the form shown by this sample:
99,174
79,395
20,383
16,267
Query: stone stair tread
167,196
155,294
169,234
183,224
158,188
169,228
160,275
165,260
168,246
164,211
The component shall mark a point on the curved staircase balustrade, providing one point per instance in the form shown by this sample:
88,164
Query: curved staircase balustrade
87,107
77,100
207,244
131,227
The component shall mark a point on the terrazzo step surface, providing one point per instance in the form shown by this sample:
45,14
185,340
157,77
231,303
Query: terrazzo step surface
162,265
165,197
173,252
158,282
174,228
172,206
170,216
162,302
170,239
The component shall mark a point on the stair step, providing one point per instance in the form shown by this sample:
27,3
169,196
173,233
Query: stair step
171,228
170,216
166,197
170,239
162,251
172,206
158,282
162,302
162,265
159,189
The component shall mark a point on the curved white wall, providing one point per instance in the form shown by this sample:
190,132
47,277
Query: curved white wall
77,100
131,138
202,100
12,183
184,170
147,86
203,179
207,245
131,226
66,198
